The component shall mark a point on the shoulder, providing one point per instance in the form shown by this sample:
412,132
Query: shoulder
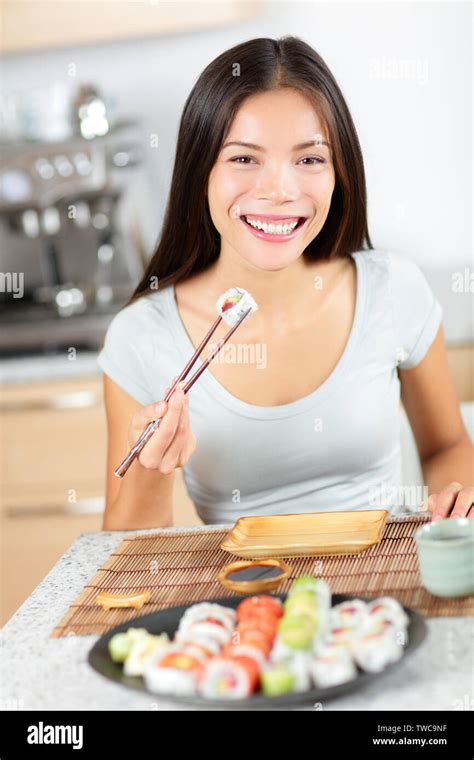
135,343
400,272
401,296
142,315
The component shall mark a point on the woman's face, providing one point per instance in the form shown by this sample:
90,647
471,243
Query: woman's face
280,175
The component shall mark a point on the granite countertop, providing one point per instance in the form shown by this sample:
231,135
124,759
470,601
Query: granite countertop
40,673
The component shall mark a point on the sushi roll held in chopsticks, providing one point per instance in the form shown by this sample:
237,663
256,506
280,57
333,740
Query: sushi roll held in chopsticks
233,304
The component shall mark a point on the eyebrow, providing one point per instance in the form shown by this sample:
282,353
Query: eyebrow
300,146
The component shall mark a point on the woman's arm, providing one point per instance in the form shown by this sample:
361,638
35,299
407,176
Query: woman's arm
446,451
143,498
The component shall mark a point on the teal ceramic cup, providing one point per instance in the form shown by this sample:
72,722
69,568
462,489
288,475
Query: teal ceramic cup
446,556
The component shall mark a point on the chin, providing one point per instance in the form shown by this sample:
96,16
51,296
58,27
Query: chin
269,263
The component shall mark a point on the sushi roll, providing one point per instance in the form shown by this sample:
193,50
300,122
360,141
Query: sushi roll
119,646
388,608
262,628
211,630
302,603
304,583
258,605
211,613
206,644
315,586
277,680
229,678
389,626
350,614
142,646
299,665
173,672
332,666
341,638
198,651
297,631
233,304
250,649
375,650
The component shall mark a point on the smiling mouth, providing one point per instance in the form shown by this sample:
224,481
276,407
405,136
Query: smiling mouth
277,226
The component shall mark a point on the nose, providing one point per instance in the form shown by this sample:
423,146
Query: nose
277,184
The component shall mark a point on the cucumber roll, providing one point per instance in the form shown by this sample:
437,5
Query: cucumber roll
277,680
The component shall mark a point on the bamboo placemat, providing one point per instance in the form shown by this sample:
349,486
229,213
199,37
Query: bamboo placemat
181,568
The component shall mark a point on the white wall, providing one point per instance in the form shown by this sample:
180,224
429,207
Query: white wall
405,70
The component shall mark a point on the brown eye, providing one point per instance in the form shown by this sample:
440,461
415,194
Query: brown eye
241,159
314,160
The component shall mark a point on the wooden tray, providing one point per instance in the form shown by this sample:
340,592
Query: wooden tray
308,534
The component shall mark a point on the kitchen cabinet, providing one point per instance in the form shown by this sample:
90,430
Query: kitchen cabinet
33,25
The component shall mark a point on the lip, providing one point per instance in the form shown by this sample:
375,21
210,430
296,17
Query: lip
271,237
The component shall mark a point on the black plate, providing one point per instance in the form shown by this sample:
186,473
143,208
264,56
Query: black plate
166,621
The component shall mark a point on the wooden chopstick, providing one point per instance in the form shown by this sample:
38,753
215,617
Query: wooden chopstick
152,426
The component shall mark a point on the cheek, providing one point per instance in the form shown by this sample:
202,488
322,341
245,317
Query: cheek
225,188
320,188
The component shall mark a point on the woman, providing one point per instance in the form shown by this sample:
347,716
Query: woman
266,141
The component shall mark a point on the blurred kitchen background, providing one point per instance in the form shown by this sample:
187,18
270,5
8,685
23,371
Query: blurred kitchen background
91,96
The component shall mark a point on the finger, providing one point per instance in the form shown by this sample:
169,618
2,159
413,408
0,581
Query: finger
464,502
146,414
189,449
445,500
190,444
167,390
172,455
163,437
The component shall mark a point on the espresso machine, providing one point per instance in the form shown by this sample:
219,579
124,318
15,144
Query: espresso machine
66,263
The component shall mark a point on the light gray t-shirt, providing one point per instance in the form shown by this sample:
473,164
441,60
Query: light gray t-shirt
332,450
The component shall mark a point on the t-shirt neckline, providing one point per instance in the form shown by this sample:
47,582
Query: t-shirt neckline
217,390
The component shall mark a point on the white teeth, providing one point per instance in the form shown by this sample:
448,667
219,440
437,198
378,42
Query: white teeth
273,229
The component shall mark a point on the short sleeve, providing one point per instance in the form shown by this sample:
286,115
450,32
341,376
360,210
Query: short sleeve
121,357
416,311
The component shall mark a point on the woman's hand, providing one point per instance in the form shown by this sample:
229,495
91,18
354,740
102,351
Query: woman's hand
454,500
173,442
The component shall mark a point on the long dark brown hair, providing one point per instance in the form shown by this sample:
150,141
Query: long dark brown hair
189,242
